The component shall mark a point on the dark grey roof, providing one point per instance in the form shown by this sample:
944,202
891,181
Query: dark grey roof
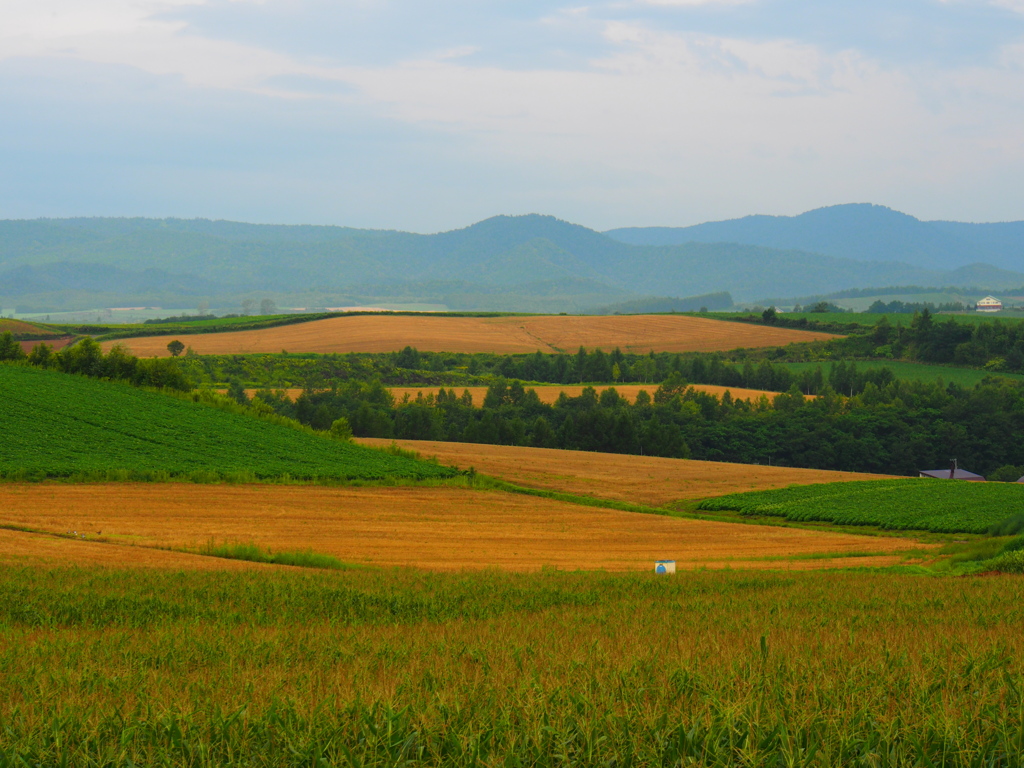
943,474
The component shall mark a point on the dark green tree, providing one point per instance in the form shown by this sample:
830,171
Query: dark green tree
9,348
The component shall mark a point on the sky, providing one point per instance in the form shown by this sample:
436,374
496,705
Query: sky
430,116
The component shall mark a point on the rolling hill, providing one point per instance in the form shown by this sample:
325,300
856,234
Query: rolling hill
58,425
511,263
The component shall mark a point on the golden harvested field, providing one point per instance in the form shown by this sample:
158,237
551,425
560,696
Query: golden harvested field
435,528
26,549
549,394
639,479
504,335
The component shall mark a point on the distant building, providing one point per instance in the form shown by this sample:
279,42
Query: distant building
953,473
989,304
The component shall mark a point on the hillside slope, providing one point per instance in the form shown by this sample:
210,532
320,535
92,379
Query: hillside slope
58,425
526,263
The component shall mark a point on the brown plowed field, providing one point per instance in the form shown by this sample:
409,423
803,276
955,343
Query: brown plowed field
639,479
504,335
549,394
57,342
436,528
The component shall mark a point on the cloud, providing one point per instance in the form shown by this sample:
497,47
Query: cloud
1013,5
694,2
651,122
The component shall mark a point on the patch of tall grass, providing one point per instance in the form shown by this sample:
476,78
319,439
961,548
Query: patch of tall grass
391,667
250,552
1011,561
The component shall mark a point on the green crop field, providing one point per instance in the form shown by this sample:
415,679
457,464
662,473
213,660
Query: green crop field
966,377
902,318
869,319
393,668
186,327
59,425
941,506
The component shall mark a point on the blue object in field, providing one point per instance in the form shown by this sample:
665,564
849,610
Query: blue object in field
660,568
664,566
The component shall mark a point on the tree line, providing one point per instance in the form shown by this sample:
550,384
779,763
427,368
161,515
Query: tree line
86,358
897,427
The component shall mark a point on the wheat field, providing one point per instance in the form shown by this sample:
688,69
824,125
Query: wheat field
650,480
500,335
436,528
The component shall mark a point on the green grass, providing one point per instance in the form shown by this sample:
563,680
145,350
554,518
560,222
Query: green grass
56,425
966,377
1010,562
254,554
940,506
388,667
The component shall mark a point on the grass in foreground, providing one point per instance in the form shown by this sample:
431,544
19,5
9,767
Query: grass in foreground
58,425
376,668
939,506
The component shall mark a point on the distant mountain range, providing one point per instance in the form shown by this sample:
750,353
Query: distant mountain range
858,231
525,263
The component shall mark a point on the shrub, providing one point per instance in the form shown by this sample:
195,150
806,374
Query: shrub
1011,562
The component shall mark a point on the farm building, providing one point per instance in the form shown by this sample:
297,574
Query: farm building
989,304
953,473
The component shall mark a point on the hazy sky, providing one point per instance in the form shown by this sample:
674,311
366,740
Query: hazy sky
432,115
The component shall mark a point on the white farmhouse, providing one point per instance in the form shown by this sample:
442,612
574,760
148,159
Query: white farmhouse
989,304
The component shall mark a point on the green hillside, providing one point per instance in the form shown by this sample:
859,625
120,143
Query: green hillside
58,425
941,506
